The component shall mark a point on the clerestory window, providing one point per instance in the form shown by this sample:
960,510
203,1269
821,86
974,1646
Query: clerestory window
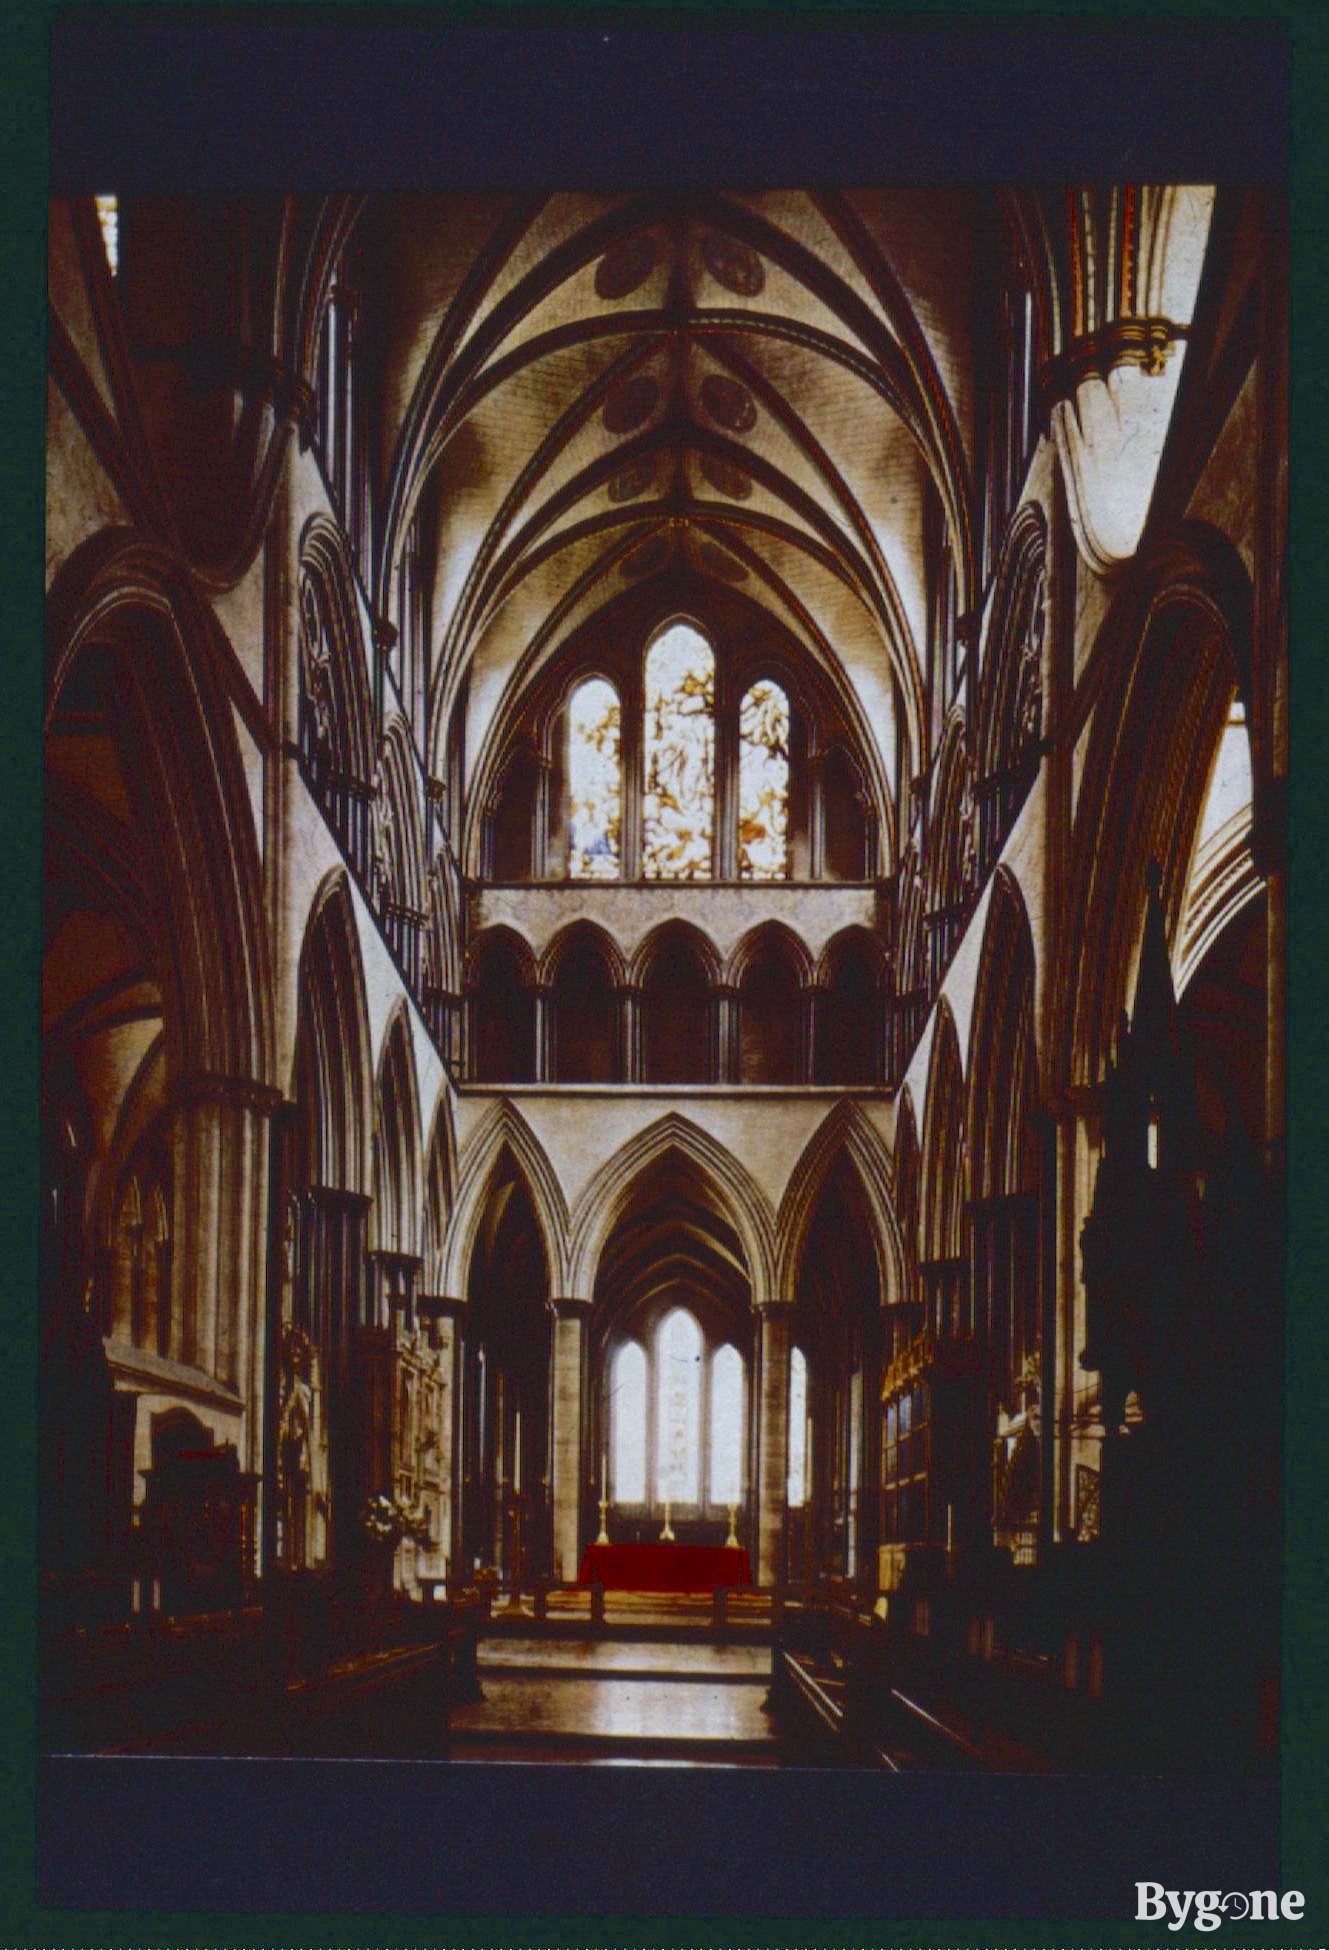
678,809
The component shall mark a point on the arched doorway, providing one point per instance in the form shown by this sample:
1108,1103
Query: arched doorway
672,1345
505,1403
835,1388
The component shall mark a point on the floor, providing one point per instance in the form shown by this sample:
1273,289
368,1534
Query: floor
618,1701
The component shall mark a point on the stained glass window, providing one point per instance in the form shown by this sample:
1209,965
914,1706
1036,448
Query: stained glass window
678,812
727,1426
798,1429
763,783
627,1418
678,1409
595,782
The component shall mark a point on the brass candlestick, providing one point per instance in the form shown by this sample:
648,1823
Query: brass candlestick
603,1538
667,1535
731,1541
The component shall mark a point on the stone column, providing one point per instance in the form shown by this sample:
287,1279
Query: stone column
630,760
726,1008
807,1033
544,1031
726,783
772,1444
567,1385
816,817
629,1026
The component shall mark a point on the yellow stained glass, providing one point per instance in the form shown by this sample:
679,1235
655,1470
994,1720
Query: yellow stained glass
595,782
678,811
763,784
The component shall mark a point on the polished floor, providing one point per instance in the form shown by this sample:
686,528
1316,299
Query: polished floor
556,1699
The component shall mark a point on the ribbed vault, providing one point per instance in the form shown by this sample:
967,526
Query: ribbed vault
583,395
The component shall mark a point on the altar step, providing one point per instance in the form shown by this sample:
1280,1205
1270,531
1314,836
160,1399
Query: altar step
643,1615
643,1703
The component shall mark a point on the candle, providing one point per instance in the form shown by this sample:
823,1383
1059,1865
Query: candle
516,1452
950,1524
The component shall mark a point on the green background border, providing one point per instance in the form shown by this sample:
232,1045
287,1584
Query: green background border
23,147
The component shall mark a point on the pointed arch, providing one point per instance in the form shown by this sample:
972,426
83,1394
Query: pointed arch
583,972
845,1133
849,1038
944,1159
1003,1058
396,1215
132,611
504,1133
908,1188
739,1199
440,1189
399,849
333,1070
582,934
950,854
771,972
500,988
1170,653
677,968
337,717
1010,690
751,946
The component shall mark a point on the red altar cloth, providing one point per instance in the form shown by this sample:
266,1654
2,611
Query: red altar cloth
664,1567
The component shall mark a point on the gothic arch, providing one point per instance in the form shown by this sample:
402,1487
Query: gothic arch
440,1182
399,848
677,969
396,1217
908,1189
443,970
1010,691
739,1198
500,991
333,669
334,1073
578,934
168,712
849,1035
845,1132
503,1131
757,941
1169,653
1003,1066
944,1160
951,863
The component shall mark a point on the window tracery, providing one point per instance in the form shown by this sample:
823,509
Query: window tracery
628,1423
678,811
726,1473
763,783
595,782
678,1408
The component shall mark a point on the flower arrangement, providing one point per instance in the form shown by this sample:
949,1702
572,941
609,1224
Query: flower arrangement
387,1520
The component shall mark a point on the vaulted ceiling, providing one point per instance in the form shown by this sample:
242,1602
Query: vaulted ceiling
586,395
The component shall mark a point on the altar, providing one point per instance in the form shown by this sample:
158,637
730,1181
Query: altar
665,1567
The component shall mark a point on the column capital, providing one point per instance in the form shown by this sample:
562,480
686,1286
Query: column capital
206,1087
570,1307
393,1261
439,1306
331,1198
